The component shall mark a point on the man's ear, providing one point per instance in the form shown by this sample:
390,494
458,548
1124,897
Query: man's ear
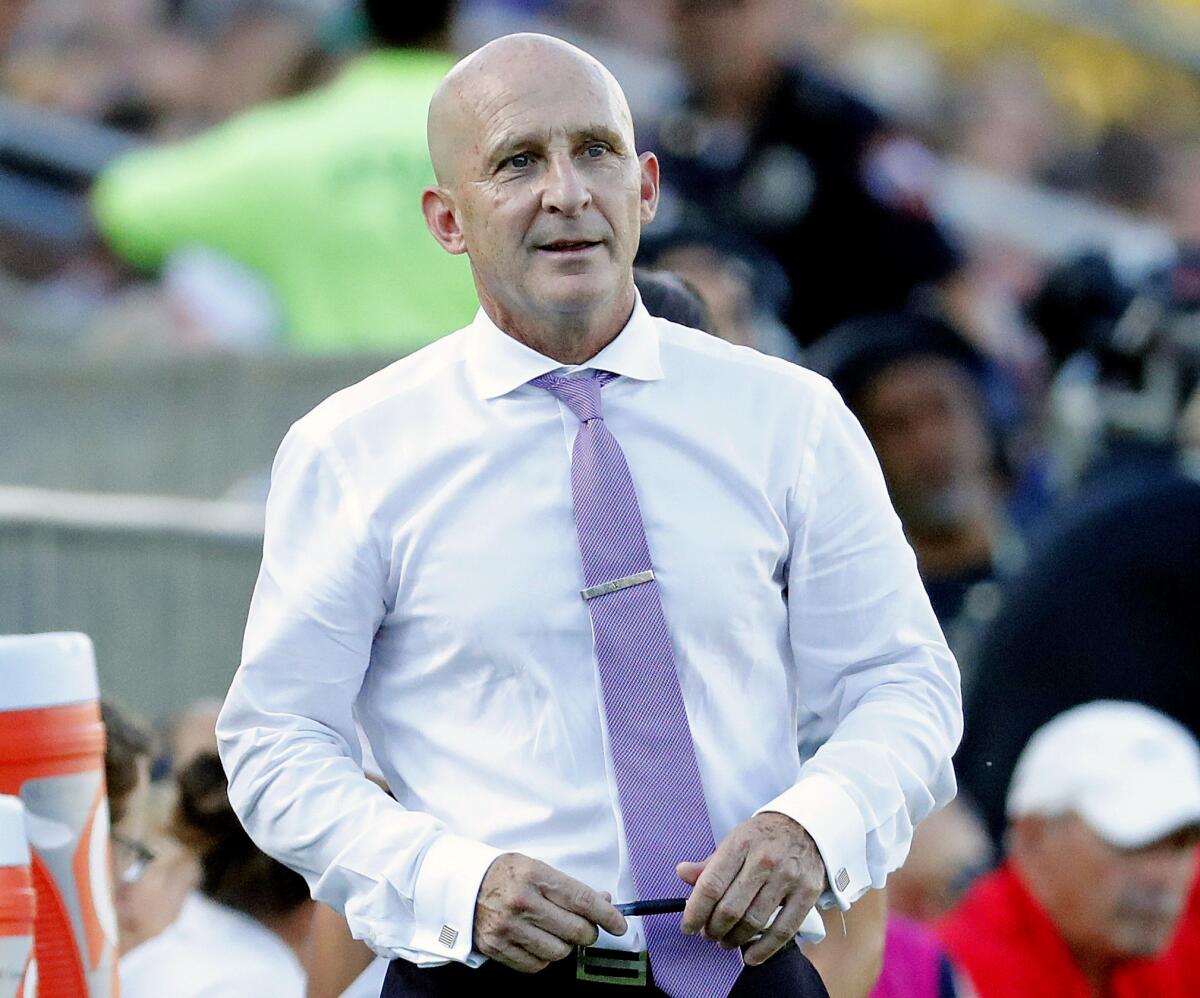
442,220
649,187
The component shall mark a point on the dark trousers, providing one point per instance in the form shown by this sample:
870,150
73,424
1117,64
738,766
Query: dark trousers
788,974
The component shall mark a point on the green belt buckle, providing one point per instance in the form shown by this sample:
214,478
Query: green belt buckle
610,966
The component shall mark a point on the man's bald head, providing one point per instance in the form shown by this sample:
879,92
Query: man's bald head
489,80
540,184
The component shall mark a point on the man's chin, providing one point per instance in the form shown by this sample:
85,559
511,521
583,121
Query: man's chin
577,292
1145,942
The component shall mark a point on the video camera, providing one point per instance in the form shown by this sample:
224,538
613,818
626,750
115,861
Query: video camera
1135,348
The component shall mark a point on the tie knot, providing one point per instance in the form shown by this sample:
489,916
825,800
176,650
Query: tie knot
580,395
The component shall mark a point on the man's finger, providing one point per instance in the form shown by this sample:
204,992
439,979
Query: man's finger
764,905
781,931
571,895
543,945
720,869
689,872
732,908
566,925
519,958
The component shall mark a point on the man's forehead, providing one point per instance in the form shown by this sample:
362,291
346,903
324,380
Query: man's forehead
558,96
523,85
543,113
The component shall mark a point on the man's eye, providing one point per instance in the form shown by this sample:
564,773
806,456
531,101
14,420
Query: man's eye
596,150
519,161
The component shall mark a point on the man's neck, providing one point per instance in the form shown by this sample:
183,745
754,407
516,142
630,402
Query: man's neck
569,338
1097,970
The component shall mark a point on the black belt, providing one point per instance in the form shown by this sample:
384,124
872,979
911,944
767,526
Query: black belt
592,971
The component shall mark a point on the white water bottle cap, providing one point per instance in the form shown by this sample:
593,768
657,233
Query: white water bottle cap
46,670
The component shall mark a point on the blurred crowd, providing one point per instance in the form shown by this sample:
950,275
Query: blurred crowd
985,230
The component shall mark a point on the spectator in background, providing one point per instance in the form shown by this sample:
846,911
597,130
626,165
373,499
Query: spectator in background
916,965
192,731
871,952
319,196
1105,610
242,933
885,946
921,392
768,148
1103,821
670,297
128,748
744,290
948,853
850,957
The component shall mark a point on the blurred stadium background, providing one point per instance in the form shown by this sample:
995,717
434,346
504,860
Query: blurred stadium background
980,219
958,160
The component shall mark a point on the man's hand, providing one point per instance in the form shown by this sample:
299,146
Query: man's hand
767,861
528,914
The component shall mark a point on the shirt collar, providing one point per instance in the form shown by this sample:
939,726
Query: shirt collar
498,363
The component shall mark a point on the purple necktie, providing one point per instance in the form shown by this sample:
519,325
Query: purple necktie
662,797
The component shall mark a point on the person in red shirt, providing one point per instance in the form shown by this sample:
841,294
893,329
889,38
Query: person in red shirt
1093,898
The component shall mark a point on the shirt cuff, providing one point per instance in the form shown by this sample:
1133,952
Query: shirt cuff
444,896
829,815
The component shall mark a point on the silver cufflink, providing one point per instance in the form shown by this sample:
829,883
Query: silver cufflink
448,937
842,880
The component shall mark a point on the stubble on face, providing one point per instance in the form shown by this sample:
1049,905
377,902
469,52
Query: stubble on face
1107,903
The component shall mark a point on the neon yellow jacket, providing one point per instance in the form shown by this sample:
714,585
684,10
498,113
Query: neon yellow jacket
320,194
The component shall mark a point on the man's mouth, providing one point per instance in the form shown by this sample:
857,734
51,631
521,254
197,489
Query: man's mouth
569,246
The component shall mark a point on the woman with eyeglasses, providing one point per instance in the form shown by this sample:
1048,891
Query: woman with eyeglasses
127,751
242,932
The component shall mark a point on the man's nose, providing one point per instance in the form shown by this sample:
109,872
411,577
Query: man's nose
565,191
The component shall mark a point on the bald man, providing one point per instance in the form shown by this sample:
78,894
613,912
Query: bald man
584,576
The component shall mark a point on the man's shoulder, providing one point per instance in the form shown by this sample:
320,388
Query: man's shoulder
698,352
418,379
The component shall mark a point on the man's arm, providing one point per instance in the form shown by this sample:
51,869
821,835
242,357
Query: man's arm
872,664
850,957
407,885
287,738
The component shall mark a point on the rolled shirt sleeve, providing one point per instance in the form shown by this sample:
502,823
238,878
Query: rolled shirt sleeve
406,885
888,689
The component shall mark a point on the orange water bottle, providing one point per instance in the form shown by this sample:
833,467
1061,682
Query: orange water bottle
52,757
18,968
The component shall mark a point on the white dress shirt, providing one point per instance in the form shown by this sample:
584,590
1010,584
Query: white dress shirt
421,571
211,951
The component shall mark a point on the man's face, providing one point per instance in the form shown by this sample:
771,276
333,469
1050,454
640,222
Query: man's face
1108,903
923,417
549,191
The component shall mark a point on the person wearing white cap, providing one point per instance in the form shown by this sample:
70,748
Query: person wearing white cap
1103,825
